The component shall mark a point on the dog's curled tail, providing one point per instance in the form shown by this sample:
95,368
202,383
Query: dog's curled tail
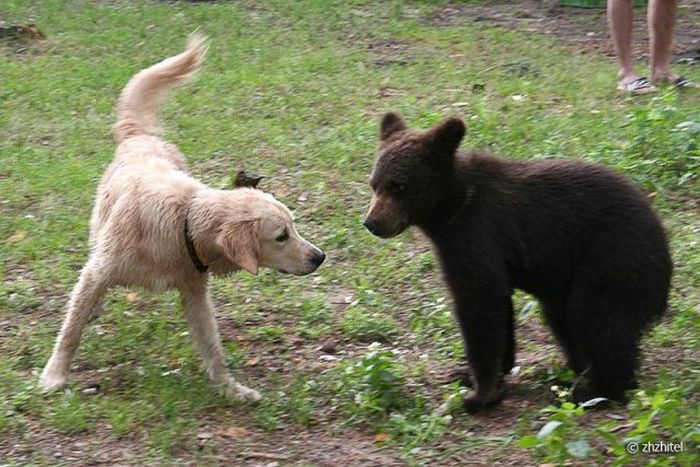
136,109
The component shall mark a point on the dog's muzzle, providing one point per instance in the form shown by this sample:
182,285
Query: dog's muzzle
314,261
318,258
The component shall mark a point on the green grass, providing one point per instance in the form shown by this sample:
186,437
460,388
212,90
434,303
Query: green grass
294,90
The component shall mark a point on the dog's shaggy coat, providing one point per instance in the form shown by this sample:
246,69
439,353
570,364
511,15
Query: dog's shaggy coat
148,208
577,236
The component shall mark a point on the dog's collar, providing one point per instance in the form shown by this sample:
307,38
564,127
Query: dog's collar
201,267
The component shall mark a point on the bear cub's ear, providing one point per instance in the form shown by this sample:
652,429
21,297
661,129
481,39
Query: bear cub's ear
447,136
391,123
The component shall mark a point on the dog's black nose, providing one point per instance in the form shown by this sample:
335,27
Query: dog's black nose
318,258
371,225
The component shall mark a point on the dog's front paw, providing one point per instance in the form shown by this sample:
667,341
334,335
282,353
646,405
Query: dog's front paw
51,382
238,391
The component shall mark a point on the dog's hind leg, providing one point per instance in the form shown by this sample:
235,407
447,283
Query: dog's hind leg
84,300
199,313
96,311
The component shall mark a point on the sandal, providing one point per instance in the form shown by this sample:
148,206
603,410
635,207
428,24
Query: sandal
637,87
682,83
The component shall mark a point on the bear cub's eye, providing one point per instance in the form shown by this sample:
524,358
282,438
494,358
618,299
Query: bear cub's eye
282,237
397,187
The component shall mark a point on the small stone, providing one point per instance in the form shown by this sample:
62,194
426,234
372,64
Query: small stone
234,432
90,390
204,435
615,416
328,346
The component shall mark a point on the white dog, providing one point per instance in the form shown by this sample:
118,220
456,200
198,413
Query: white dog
155,226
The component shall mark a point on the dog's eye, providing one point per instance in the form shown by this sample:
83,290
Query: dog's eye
282,237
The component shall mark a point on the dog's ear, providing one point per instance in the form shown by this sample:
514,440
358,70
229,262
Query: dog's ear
445,138
391,123
239,243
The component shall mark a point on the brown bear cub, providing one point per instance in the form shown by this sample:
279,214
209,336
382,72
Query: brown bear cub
579,237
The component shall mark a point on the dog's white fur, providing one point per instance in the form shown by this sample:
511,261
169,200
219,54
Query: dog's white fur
137,228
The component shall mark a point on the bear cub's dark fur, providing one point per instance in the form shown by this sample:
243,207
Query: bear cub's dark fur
577,236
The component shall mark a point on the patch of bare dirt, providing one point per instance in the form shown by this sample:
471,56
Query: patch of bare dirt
21,39
586,29
352,449
24,311
390,53
98,448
